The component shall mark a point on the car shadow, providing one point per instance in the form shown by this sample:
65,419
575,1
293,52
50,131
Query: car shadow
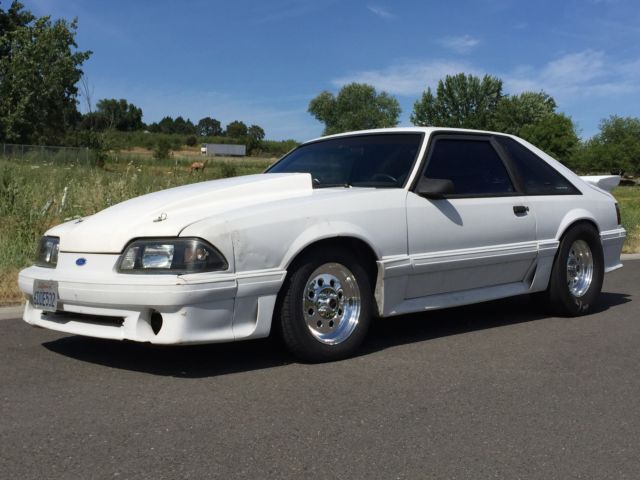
197,361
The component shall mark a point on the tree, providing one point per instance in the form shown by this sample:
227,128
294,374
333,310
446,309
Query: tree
356,107
555,134
39,70
119,114
12,19
209,127
615,147
515,111
255,132
182,126
236,129
166,125
461,101
162,149
255,135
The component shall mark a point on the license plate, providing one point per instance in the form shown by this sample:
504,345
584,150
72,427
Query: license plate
45,295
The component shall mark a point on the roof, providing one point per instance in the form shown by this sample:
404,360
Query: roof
426,130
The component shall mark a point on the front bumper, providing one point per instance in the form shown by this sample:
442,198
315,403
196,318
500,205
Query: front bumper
197,308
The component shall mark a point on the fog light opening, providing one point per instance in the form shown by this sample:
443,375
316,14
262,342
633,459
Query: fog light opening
156,321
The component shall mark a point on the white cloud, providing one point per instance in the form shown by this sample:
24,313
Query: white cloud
460,44
381,12
409,78
576,76
570,77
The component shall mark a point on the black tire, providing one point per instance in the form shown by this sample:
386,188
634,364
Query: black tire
291,321
558,297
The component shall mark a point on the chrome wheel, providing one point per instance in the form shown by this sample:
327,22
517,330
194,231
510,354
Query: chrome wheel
332,303
579,268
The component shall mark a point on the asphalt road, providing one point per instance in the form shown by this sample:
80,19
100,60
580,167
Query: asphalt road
489,391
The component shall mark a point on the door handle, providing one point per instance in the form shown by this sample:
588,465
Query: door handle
520,209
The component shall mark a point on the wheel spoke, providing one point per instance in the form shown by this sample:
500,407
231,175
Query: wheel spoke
579,268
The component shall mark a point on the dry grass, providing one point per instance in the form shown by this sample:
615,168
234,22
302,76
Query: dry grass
192,153
9,292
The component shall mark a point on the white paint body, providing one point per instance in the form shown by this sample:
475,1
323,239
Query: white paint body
429,253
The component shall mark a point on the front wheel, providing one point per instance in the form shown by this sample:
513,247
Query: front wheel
577,274
325,306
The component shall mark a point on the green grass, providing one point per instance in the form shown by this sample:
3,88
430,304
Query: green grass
629,200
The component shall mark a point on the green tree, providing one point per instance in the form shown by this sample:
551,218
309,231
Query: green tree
616,147
162,149
119,114
256,132
255,135
515,111
555,134
12,19
166,125
191,140
461,101
209,127
236,129
39,70
356,107
182,126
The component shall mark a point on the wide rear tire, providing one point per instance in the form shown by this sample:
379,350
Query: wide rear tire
577,274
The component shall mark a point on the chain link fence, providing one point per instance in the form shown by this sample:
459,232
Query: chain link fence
42,154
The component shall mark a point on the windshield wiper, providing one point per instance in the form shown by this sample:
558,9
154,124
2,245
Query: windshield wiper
330,185
317,184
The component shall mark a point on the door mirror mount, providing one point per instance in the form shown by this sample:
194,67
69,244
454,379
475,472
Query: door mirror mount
435,188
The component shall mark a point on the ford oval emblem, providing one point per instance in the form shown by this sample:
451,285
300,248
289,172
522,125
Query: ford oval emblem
81,261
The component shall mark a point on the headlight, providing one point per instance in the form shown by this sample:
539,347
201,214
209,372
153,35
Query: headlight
171,255
47,255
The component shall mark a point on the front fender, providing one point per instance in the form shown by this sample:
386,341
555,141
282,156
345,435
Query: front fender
323,231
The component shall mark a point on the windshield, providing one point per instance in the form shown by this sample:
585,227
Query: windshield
379,160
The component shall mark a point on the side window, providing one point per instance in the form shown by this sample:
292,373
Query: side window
473,166
538,177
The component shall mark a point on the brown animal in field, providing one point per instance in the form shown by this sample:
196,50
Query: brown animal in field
198,166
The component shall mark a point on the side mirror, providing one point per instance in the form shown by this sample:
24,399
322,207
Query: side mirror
434,187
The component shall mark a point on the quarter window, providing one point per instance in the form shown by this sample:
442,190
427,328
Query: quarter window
538,177
473,166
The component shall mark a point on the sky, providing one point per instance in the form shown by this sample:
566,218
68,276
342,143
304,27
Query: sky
261,62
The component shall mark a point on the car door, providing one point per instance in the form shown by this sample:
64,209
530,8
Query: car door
481,234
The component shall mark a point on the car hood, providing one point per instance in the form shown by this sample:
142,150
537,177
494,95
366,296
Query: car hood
166,213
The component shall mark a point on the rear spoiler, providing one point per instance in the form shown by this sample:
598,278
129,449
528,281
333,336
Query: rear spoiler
605,182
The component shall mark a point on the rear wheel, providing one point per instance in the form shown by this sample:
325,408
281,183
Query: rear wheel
577,274
325,306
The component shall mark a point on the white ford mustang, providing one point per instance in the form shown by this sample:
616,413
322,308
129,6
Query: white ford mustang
343,228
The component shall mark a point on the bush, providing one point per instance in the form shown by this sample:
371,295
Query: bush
228,170
191,140
162,150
